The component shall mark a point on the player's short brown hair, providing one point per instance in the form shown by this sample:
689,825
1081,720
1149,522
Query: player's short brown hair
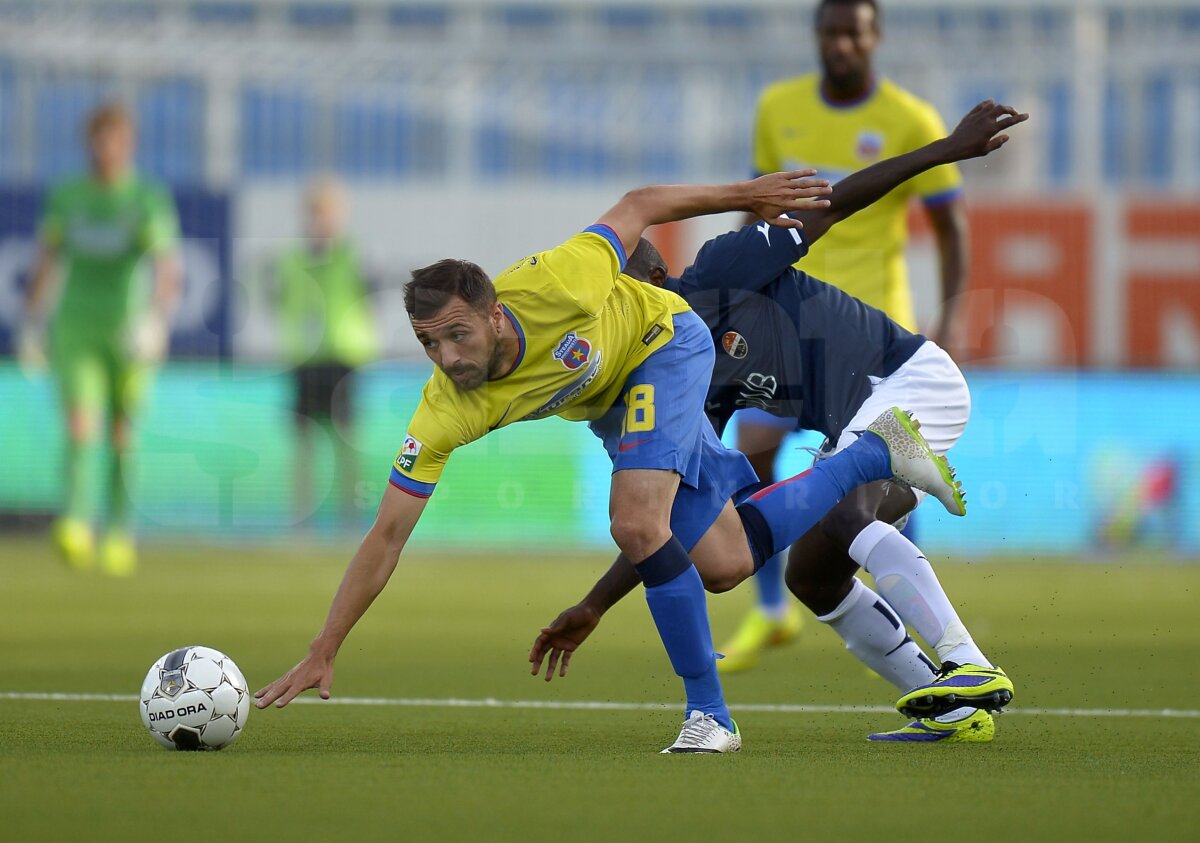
108,115
431,287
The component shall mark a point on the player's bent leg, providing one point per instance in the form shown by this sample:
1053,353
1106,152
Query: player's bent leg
774,620
641,502
118,551
72,531
722,555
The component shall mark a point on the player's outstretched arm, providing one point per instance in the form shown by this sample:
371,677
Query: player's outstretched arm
768,197
979,133
572,627
365,578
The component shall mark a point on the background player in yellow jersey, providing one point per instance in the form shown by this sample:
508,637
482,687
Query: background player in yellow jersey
838,121
107,332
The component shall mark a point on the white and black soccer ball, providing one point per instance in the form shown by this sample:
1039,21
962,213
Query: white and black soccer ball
195,698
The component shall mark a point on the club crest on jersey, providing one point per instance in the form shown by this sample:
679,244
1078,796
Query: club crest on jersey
735,345
869,146
573,351
408,454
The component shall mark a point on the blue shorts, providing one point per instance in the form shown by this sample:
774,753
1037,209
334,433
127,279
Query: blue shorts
659,423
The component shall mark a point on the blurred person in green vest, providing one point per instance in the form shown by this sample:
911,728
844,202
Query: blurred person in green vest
108,330
327,332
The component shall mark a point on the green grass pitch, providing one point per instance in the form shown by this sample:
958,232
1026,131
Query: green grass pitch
1109,634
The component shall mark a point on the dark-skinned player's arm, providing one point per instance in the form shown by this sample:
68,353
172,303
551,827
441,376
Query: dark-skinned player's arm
365,578
979,133
768,197
754,256
566,632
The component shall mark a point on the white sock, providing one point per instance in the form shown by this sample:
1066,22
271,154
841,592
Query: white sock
904,576
874,634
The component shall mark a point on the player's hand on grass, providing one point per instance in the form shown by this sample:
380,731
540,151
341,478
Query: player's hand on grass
981,131
772,196
314,672
560,639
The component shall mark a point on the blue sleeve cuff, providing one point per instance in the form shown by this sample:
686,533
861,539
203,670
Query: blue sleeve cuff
937,200
613,240
413,487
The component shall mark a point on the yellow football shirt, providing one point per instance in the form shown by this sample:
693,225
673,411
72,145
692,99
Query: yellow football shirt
795,128
583,327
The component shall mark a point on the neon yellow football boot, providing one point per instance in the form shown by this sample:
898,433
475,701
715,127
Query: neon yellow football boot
968,685
118,554
978,727
757,632
74,540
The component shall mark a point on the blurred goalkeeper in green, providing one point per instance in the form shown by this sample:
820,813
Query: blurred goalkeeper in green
109,328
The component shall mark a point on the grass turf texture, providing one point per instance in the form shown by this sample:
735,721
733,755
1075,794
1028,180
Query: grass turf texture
1115,634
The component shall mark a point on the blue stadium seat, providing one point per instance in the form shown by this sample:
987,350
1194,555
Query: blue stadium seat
1157,126
321,15
171,130
1060,117
278,128
61,107
224,12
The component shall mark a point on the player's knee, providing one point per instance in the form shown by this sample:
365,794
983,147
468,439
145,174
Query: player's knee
722,581
845,521
638,536
83,427
819,586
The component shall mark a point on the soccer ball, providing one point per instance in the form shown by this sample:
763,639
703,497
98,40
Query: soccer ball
195,698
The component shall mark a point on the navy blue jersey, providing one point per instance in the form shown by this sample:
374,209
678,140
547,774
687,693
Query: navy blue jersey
786,342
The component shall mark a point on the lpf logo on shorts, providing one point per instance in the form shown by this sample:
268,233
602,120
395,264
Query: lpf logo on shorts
408,454
573,351
735,345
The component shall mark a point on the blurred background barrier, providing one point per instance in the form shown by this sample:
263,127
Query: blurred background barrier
489,129
1058,462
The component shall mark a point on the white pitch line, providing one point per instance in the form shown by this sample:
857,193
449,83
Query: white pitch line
596,705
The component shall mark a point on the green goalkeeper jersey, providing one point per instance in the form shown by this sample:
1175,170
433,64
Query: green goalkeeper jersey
102,233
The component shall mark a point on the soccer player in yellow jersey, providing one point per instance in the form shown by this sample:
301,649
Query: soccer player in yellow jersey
838,121
565,332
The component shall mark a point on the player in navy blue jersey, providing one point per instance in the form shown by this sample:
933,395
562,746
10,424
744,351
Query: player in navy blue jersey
802,349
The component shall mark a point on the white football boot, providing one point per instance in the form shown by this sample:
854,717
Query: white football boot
914,463
702,733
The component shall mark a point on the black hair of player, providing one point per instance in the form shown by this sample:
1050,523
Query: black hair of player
825,4
644,260
431,287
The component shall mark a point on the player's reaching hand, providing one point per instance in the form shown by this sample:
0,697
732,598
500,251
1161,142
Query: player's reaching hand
314,672
772,196
561,638
981,131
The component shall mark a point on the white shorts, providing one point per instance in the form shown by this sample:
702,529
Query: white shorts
930,387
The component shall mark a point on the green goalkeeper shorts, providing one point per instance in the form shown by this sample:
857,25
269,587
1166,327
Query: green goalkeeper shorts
96,372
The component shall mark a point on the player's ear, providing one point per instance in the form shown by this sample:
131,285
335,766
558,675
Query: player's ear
496,316
658,276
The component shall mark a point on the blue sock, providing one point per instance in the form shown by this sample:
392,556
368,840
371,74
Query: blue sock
675,595
778,515
769,580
